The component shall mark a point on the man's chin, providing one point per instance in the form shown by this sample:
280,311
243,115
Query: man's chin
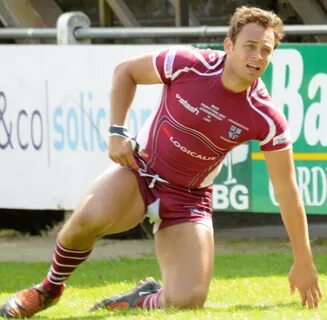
248,80
252,77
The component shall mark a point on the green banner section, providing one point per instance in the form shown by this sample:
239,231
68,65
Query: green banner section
297,82
232,187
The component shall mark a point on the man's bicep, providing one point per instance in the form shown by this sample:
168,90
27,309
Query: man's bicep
142,69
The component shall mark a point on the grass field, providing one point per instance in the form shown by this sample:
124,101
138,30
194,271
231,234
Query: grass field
244,286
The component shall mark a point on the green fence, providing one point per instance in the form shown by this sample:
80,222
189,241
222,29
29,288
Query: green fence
297,81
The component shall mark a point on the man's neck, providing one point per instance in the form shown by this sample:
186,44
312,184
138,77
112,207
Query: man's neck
232,82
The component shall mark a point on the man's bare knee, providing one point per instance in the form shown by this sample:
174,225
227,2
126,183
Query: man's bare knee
84,223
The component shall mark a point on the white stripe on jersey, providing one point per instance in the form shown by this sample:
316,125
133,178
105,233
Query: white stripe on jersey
272,127
168,65
267,103
204,61
187,69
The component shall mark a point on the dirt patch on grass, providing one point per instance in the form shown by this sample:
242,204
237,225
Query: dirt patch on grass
27,249
15,247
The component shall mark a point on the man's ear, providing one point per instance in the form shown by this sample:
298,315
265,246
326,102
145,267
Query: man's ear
228,45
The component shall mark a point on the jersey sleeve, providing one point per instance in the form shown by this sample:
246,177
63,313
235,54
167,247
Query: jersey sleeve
172,63
276,135
281,138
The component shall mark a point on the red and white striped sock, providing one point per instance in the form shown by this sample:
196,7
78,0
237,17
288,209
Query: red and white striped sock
64,262
152,301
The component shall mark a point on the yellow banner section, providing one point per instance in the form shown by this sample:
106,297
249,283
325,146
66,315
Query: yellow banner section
296,156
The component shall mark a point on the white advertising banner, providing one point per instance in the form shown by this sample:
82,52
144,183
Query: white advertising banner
54,118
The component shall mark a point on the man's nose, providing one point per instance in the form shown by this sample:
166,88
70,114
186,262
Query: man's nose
257,54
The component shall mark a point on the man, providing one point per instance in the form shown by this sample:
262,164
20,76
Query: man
206,94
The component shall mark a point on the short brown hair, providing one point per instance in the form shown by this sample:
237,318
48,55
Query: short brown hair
244,15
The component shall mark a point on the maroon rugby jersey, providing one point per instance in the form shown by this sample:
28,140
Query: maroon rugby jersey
198,120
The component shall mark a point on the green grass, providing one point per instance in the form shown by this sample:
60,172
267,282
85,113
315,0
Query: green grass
244,286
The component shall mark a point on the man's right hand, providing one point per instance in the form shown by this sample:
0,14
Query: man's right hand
121,151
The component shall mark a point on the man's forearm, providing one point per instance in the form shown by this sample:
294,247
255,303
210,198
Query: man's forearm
295,221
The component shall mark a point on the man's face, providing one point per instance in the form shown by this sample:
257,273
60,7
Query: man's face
251,52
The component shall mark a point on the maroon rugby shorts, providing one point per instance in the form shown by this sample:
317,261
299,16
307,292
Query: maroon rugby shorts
168,204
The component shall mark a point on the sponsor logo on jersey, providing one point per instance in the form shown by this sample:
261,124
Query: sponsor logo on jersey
186,105
190,152
282,138
234,132
212,56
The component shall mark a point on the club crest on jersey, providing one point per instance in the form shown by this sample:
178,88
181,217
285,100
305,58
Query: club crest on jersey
234,132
